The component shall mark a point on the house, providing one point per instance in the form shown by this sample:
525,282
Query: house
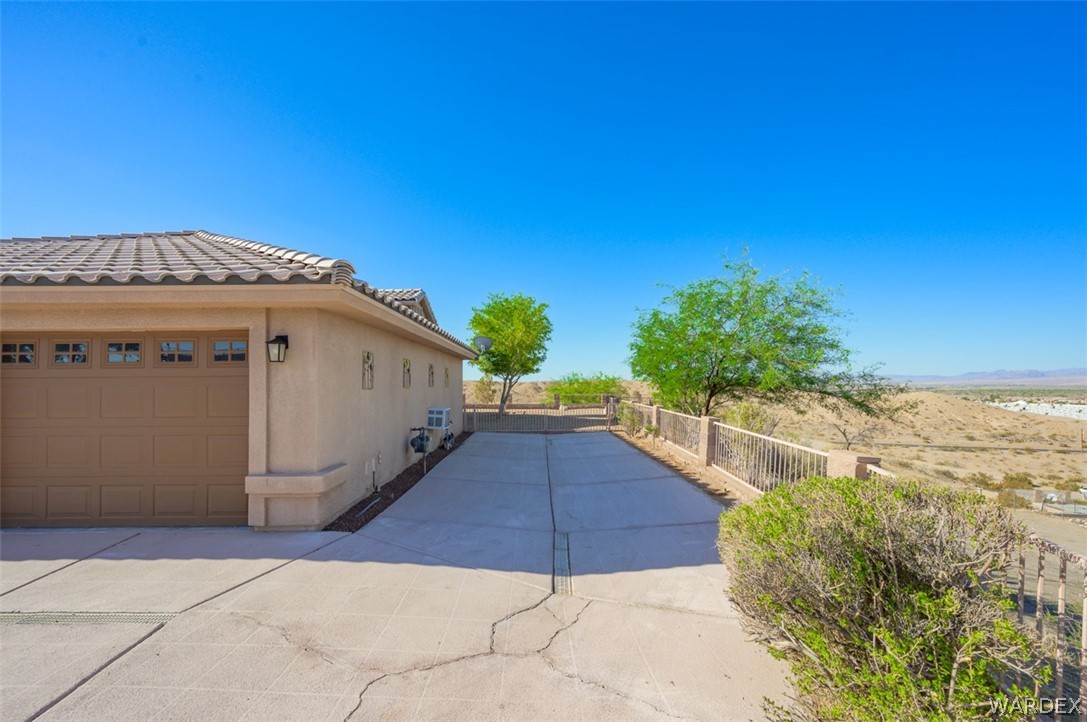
137,385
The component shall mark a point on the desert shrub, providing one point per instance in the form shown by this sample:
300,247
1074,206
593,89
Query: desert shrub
1011,500
575,388
884,597
947,474
1017,480
1072,483
630,419
979,479
750,416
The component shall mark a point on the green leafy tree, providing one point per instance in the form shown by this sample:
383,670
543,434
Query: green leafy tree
740,337
575,388
519,330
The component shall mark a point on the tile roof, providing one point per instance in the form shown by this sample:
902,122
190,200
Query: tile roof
189,257
173,256
415,297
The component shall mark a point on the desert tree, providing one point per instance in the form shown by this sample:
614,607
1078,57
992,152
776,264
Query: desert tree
519,330
859,432
743,338
484,390
576,387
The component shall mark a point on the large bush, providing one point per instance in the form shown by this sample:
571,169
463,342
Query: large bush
576,388
884,596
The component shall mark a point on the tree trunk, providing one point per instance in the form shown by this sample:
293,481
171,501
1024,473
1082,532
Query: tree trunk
507,390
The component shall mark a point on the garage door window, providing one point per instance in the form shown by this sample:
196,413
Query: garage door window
177,352
229,351
127,353
23,353
71,353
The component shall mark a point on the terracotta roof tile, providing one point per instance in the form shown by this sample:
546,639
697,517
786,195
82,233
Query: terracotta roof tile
414,297
190,257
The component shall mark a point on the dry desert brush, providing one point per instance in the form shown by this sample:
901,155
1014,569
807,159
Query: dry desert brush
886,597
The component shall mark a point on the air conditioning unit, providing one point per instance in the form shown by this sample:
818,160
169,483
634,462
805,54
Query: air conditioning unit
437,417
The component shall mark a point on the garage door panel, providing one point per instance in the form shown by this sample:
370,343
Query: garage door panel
227,500
63,451
127,401
20,451
180,450
180,402
125,450
176,500
21,402
228,450
70,401
98,445
21,502
124,501
72,502
228,401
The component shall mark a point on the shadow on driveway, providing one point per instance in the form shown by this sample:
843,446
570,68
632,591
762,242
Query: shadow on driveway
445,605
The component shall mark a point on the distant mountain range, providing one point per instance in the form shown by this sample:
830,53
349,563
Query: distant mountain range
1001,377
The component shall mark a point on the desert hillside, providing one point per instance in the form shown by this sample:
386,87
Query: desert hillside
945,437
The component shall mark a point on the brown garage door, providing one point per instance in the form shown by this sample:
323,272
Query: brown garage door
123,429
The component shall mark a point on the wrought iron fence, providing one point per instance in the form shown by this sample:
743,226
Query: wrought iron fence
1042,592
680,429
764,462
1049,583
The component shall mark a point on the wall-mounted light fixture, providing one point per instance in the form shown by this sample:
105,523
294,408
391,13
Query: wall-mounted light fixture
277,349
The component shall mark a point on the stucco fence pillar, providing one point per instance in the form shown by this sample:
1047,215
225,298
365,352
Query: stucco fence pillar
707,440
841,462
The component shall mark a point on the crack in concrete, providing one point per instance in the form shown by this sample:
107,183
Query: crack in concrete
599,685
508,617
610,690
366,689
541,653
663,608
446,662
303,646
560,630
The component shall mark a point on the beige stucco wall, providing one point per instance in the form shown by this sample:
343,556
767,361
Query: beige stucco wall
317,439
323,425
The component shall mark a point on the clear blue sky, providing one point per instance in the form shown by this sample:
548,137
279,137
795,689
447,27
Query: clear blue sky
927,158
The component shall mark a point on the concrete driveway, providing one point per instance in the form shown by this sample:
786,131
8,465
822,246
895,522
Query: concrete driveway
526,577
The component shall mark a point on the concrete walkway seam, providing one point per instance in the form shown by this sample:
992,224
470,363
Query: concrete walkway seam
95,673
75,561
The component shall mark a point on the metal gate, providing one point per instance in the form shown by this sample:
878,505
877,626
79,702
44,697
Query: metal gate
539,418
